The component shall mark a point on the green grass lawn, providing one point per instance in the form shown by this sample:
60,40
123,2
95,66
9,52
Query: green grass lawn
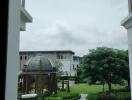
91,90
85,88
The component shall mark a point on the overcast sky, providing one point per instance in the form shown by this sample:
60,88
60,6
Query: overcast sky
77,25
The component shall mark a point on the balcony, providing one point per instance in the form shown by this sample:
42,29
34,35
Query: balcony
25,16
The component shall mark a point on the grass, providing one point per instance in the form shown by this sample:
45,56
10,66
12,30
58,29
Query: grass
49,98
123,95
85,88
91,90
68,95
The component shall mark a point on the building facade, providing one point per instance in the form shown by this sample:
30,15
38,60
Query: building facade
67,58
127,23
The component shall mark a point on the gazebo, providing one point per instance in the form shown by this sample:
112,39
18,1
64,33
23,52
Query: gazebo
38,76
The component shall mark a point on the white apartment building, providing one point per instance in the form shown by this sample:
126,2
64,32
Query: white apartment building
67,58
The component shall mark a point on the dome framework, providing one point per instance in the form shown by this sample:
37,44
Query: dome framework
38,74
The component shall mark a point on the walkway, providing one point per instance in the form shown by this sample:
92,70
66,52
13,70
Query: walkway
83,96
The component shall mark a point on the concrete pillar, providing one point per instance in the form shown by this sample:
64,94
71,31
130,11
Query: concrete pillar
127,23
12,50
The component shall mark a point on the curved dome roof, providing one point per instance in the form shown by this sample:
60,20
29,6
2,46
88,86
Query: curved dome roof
39,63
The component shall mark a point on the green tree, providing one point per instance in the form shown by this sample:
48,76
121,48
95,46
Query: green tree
105,65
123,66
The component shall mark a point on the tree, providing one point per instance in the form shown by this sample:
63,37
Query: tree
102,64
123,68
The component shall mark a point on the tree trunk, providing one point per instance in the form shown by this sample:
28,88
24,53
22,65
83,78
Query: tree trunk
128,83
103,87
109,86
68,87
62,84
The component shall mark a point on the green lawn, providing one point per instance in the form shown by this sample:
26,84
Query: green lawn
85,88
91,90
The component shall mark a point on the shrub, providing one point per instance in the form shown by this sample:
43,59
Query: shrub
71,96
92,96
46,94
62,89
53,98
106,96
123,95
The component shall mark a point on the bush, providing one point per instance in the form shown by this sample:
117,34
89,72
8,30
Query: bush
92,96
106,96
123,95
53,98
62,89
69,96
46,94
71,77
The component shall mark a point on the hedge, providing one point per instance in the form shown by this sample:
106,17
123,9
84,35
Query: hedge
53,98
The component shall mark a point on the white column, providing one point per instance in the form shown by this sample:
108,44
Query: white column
12,50
127,23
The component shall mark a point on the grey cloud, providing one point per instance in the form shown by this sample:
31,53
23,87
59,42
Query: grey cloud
83,25
67,37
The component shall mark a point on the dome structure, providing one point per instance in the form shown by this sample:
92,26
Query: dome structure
39,63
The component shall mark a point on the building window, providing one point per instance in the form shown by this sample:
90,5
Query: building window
20,57
65,57
60,56
25,57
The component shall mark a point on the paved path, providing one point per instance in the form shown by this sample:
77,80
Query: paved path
83,96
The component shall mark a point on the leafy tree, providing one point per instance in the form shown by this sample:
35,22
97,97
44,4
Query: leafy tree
105,65
123,67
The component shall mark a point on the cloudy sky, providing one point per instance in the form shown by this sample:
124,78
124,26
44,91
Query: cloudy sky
77,25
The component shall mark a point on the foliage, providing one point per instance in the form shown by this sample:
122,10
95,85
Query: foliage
120,92
53,98
106,96
118,96
105,65
46,94
93,92
68,95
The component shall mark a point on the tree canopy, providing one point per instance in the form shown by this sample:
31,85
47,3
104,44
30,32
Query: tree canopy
106,65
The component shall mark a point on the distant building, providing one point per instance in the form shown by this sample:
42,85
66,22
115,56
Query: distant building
66,57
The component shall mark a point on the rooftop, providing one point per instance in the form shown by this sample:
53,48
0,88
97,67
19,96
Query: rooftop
39,63
55,51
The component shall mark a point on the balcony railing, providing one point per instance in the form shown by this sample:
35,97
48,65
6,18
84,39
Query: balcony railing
23,3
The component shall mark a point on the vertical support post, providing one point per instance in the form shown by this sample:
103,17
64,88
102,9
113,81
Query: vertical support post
130,5
23,3
3,42
62,84
49,84
12,50
35,83
68,87
55,83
